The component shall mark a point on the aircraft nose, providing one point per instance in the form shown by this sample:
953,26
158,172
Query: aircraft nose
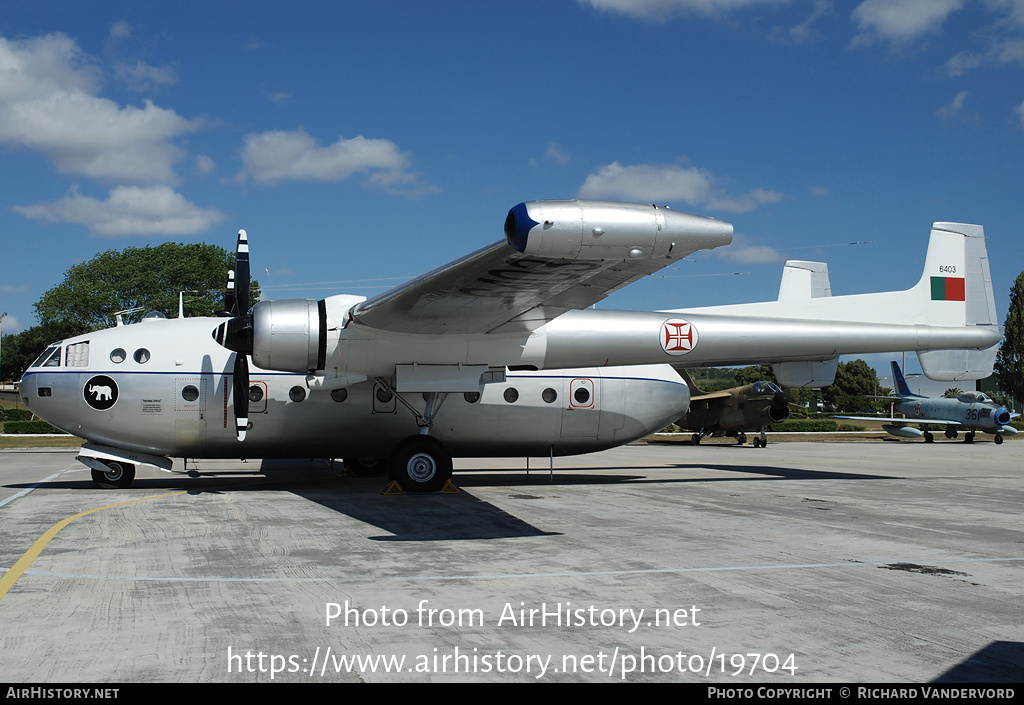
1002,416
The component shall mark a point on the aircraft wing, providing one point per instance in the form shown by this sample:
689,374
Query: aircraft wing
713,395
556,256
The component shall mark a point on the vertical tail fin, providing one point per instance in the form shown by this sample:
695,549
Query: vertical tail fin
804,280
902,388
957,282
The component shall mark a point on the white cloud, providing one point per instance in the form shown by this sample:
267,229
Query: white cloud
656,183
743,250
661,10
557,154
901,21
48,103
804,32
11,325
205,164
277,155
141,76
121,30
129,210
949,111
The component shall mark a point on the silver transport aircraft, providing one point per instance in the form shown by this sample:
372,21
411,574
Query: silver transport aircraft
970,411
496,353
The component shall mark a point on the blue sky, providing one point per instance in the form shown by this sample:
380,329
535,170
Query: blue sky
360,144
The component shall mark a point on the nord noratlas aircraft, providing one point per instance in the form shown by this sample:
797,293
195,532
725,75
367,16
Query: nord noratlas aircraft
496,353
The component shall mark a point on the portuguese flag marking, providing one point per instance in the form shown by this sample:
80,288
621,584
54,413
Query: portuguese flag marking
948,289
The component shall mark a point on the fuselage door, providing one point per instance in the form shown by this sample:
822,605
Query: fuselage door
582,416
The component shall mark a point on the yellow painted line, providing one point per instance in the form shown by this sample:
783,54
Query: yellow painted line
12,575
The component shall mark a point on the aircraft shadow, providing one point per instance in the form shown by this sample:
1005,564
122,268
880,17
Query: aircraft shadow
999,662
433,517
408,517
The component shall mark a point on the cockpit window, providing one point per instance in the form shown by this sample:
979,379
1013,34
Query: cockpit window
54,359
47,354
765,388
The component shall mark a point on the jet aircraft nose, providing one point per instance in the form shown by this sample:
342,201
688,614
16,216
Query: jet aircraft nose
1002,416
780,400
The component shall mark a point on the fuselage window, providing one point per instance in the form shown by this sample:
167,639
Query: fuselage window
118,355
142,356
190,392
549,395
581,395
511,395
339,395
77,355
296,394
255,393
471,397
383,395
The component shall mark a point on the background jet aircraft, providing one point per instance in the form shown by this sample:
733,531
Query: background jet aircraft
971,411
734,412
496,353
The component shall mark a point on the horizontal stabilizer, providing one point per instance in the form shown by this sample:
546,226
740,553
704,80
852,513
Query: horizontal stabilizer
807,374
957,365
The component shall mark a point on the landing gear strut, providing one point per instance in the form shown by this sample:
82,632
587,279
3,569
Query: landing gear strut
420,463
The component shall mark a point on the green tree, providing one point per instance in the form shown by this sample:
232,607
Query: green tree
855,382
19,350
1009,367
755,373
137,277
148,278
952,393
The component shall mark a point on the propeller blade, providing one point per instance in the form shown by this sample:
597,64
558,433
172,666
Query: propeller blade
241,395
230,301
242,274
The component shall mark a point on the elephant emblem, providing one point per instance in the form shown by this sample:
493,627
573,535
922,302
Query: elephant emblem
100,392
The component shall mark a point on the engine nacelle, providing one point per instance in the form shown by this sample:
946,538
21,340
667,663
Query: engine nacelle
289,335
606,230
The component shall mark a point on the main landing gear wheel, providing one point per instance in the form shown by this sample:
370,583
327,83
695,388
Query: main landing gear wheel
421,464
928,437
117,476
695,439
969,437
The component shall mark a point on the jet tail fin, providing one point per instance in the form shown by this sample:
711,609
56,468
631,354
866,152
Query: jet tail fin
694,392
902,388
